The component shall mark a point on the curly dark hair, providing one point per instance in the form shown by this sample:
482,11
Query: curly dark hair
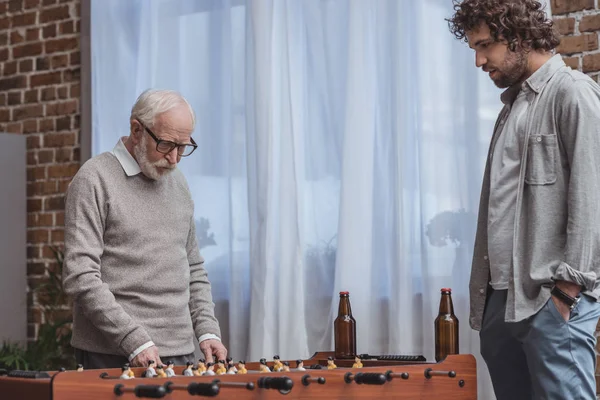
522,23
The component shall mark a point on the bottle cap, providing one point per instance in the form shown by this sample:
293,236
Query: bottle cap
346,293
446,290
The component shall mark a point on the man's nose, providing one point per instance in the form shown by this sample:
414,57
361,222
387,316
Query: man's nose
172,156
480,60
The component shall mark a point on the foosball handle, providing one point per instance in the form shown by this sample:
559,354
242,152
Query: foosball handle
369,378
391,375
145,391
203,389
307,379
283,383
430,373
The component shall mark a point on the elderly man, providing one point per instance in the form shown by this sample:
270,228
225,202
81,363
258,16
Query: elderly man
132,263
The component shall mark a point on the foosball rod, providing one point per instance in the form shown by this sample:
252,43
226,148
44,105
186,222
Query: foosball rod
146,391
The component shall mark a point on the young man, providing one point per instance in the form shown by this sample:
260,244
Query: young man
536,263
132,264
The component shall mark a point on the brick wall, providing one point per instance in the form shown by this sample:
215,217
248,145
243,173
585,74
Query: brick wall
39,98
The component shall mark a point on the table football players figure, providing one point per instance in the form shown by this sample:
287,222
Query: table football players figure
330,363
263,365
277,365
150,371
188,369
210,369
126,372
241,368
169,371
300,365
357,362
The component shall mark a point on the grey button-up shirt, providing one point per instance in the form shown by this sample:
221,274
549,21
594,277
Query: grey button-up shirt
557,216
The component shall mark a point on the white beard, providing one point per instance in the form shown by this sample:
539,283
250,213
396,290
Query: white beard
151,169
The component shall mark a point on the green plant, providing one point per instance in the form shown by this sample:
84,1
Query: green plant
51,350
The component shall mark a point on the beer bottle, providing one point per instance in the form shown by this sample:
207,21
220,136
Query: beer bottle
345,329
446,328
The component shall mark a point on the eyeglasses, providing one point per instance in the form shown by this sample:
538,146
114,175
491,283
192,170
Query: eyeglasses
166,146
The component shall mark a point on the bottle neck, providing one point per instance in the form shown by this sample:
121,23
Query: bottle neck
344,308
446,306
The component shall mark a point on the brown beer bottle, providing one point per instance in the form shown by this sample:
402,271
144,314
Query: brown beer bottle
344,328
446,328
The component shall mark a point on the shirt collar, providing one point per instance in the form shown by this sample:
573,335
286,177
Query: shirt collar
537,81
130,166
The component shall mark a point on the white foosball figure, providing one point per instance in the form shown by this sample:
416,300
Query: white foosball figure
188,369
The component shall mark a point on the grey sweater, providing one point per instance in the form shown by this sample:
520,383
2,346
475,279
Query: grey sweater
132,264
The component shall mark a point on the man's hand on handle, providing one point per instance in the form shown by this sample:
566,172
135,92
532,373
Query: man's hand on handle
141,360
213,350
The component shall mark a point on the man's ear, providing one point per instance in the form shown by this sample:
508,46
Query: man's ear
135,131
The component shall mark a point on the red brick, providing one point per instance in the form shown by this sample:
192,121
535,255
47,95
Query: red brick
37,236
42,64
32,34
72,75
578,44
3,39
34,205
62,170
48,2
24,19
39,219
565,26
54,203
75,90
28,111
62,92
59,217
14,98
59,140
60,61
48,93
591,63
31,3
30,126
14,127
31,96
62,108
2,101
27,50
16,37
54,14
589,23
4,23
75,58
15,5
566,6
48,78
58,235
35,268
47,125
26,66
17,82
67,27
49,31
34,174
4,115
60,45
46,156
10,68
64,155
63,123
33,142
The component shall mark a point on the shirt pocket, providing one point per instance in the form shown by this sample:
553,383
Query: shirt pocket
541,160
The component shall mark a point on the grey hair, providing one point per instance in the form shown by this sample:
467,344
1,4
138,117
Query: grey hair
153,102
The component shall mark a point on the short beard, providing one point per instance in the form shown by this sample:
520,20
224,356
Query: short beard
152,170
513,69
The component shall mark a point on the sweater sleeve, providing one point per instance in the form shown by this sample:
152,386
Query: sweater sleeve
201,303
85,216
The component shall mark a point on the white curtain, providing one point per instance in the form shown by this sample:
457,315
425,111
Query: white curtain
342,146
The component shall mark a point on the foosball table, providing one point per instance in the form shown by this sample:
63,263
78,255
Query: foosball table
455,377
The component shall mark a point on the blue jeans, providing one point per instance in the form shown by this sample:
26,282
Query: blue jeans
544,356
